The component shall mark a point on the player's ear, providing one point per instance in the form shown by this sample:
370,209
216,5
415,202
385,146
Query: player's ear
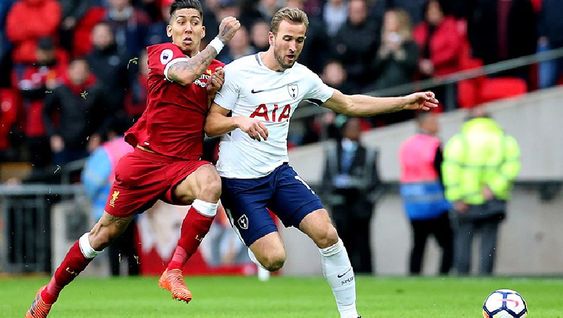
271,38
203,32
169,30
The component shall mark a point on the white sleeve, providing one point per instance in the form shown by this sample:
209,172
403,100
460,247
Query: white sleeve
227,96
319,92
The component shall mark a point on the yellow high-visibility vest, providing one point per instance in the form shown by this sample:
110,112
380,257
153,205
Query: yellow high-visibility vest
480,155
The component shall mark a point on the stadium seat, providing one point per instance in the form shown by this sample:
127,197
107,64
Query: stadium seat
468,90
501,87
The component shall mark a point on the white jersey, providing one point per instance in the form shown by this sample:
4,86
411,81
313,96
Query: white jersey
253,90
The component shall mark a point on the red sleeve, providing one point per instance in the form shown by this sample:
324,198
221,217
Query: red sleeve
162,56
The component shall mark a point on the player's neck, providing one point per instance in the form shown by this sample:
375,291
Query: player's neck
269,60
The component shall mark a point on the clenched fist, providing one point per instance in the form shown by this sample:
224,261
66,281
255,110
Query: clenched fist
227,29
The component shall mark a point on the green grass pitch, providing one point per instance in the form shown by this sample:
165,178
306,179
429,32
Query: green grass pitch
280,297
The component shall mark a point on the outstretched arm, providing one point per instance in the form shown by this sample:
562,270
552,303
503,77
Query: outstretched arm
365,106
186,72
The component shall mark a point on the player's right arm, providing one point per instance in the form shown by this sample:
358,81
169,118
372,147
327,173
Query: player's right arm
219,123
187,71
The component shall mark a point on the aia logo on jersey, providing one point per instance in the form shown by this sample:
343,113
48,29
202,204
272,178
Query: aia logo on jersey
272,112
293,90
166,56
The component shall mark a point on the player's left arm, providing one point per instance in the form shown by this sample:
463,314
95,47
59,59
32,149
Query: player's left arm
365,106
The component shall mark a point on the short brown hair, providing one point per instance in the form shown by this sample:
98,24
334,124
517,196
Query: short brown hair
289,14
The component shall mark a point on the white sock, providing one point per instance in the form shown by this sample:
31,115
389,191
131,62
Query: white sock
204,208
340,276
87,250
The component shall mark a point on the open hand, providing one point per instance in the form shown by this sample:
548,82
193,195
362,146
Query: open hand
216,81
421,101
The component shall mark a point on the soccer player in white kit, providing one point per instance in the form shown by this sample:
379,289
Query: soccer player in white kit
252,112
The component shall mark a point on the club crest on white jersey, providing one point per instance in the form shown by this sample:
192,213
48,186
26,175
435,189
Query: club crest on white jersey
293,90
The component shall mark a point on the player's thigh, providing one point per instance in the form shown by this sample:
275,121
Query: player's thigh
318,226
203,183
293,199
107,229
245,202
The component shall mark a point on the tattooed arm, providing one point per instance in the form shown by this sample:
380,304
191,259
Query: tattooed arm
186,72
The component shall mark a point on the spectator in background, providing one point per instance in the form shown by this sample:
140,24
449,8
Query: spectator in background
356,44
502,29
109,66
396,60
259,35
80,110
97,177
244,11
27,22
210,10
129,26
238,47
72,12
397,57
5,45
136,98
440,43
35,83
334,74
351,187
267,8
479,168
414,8
334,15
550,28
156,31
422,191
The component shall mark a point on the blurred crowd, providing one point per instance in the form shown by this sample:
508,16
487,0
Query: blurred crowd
70,70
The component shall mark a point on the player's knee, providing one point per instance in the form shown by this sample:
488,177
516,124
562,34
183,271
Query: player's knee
273,261
210,186
326,236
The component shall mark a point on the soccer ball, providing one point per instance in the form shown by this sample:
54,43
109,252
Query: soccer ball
504,303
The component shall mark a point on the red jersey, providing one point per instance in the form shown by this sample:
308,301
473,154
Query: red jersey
172,124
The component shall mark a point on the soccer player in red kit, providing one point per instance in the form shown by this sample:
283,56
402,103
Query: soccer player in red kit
165,164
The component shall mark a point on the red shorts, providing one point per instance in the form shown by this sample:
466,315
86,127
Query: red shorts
142,178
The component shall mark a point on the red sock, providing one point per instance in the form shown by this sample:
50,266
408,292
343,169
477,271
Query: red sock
194,228
73,263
